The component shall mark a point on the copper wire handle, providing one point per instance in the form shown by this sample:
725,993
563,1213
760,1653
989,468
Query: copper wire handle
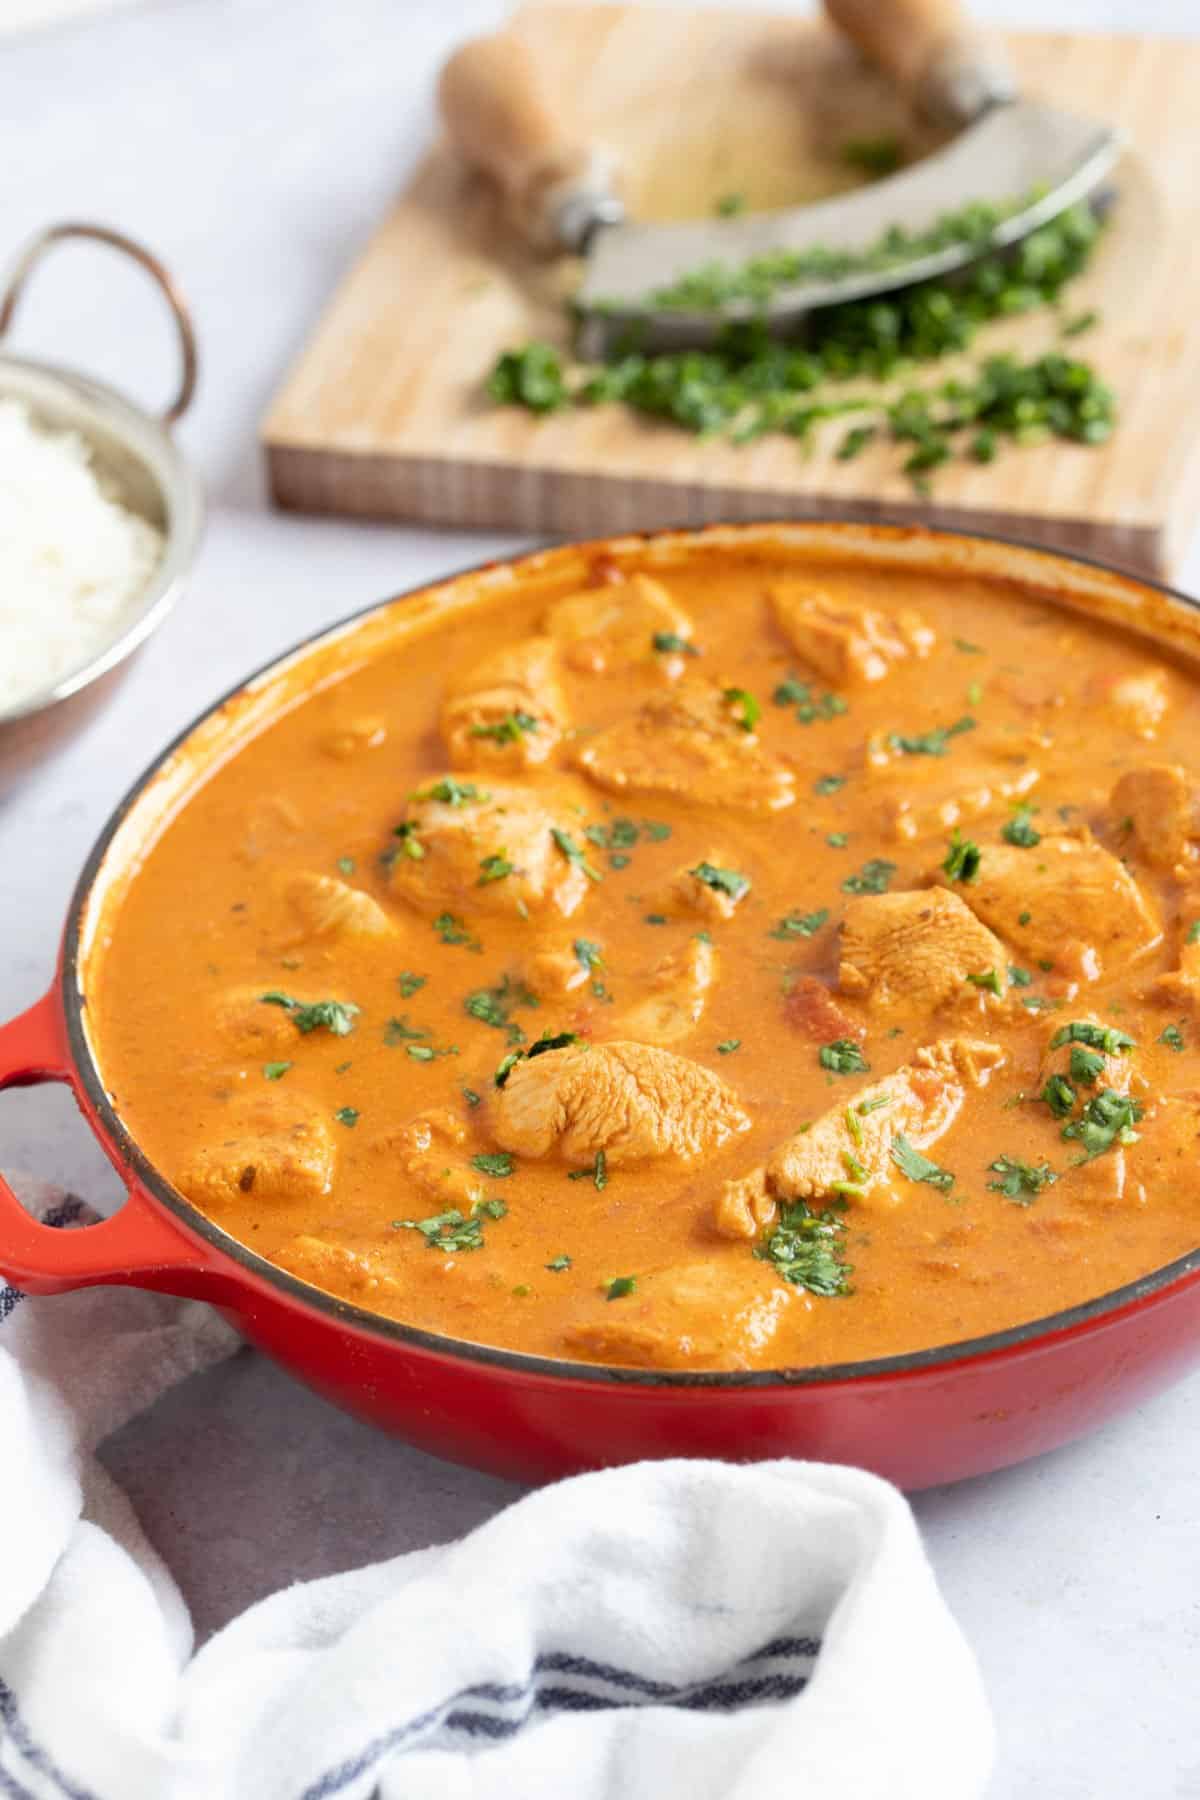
32,254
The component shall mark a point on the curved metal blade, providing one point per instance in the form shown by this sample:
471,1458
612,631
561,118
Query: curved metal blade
1021,148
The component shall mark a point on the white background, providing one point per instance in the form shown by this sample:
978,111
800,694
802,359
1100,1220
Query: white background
254,143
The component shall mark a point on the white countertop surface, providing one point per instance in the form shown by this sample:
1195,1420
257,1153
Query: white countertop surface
254,144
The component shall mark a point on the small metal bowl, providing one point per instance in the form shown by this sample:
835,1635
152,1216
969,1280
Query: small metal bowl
138,462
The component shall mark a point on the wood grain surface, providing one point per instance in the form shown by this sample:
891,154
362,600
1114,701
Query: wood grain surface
384,414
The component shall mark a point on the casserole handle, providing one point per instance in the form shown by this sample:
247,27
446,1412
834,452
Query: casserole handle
137,1245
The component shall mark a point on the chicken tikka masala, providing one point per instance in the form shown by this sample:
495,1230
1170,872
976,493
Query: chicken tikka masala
716,964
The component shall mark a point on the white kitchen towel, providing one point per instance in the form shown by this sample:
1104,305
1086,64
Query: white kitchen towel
706,1630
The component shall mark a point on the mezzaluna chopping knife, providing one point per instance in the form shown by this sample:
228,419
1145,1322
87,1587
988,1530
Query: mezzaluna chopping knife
1021,161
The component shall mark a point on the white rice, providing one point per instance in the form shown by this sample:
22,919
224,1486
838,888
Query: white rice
73,561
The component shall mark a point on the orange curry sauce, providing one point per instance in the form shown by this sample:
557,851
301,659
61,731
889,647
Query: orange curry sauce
817,741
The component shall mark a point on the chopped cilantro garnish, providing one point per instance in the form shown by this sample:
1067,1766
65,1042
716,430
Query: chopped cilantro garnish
276,1070
453,1230
837,840
621,1286
1193,932
746,709
597,1170
559,1263
872,878
409,984
587,954
910,1162
807,1249
1107,1119
728,1046
1172,1037
1020,829
451,792
843,1057
829,784
398,1031
1020,1181
809,711
962,858
1096,1037
493,1162
471,1097
336,1016
1086,1066
345,865
452,930
670,643
656,831
494,868
347,1115
421,1052
573,853
723,881
508,730
556,1041
800,925
494,1006
929,743
869,1106
410,843
1059,1096
1019,977
968,649
1024,918
988,979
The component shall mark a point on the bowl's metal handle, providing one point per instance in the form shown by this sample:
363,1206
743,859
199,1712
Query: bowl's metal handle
32,254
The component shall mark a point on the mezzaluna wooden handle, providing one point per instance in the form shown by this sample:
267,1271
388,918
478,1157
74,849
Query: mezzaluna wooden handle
502,120
931,49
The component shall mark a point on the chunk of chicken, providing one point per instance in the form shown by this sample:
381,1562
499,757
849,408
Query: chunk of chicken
325,907
1076,1062
1137,700
1162,802
274,1147
678,993
1068,902
556,970
915,948
708,888
689,1316
918,1102
688,743
462,849
428,1151
348,1273
1181,986
845,641
508,711
609,630
1167,1148
633,1101
253,1028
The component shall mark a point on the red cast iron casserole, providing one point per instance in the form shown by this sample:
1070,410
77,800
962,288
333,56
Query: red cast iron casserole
928,1416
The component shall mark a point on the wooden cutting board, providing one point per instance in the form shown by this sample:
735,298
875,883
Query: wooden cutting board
384,415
